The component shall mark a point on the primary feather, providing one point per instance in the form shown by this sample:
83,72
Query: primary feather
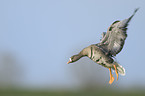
115,37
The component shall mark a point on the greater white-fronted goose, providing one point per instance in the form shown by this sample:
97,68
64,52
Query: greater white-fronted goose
111,44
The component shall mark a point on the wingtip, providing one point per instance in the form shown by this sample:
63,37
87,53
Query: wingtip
136,9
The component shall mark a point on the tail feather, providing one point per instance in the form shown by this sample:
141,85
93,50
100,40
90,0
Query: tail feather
120,69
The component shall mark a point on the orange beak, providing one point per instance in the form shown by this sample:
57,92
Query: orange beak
68,62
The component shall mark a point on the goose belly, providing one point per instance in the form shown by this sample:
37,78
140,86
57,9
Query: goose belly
100,58
100,61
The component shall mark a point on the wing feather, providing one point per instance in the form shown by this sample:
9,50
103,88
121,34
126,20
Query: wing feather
115,37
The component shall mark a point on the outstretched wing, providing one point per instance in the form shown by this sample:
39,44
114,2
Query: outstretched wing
115,37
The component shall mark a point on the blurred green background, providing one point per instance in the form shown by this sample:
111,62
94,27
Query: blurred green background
37,38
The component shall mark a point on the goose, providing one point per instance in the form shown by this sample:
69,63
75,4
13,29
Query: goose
110,45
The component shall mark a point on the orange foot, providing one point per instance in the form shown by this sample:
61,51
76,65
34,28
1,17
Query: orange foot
111,77
111,80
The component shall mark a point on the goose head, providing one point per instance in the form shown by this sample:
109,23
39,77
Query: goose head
74,58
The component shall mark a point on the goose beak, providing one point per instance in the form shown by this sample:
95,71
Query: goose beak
68,62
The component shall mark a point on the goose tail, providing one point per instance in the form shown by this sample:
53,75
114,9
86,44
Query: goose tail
120,69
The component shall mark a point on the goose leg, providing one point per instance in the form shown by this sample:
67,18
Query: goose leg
111,77
116,71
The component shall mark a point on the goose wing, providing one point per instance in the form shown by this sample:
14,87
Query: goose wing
114,39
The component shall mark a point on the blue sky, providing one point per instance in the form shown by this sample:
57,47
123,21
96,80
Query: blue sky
42,34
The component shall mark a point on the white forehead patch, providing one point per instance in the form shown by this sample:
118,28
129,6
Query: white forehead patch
70,60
